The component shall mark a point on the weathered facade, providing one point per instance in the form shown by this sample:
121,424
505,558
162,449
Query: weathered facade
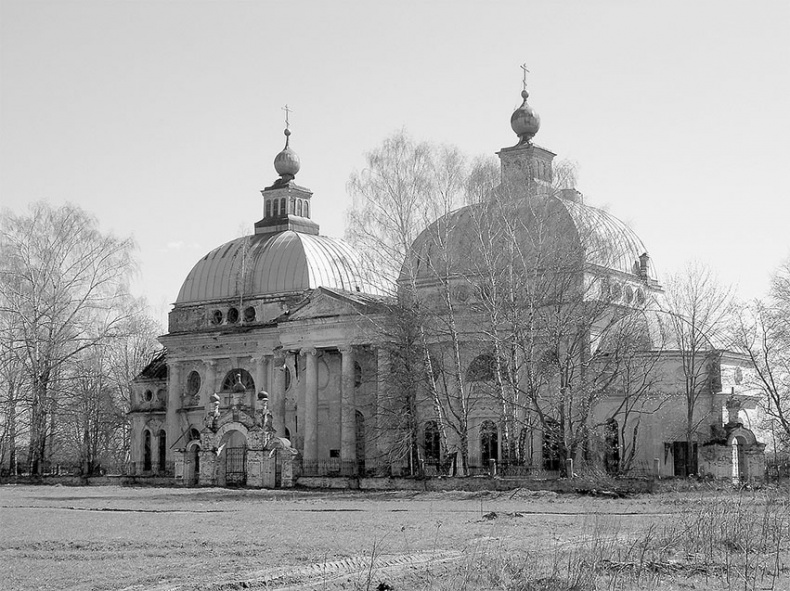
276,363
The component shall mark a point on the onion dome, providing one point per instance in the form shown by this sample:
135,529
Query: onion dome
286,163
525,121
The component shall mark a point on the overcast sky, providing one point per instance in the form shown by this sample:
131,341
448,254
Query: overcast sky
163,118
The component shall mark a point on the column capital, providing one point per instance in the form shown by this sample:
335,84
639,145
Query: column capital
346,348
308,351
210,362
279,354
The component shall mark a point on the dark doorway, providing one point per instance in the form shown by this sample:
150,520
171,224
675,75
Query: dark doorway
147,451
489,443
685,462
360,442
432,443
162,452
552,441
196,464
612,447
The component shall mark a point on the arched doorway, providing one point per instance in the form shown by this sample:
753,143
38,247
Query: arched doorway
192,459
232,457
489,443
740,467
360,442
612,447
147,451
432,444
552,441
162,439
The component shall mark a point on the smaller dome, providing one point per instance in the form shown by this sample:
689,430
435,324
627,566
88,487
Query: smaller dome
525,121
287,161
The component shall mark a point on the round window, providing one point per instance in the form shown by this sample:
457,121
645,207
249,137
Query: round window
233,315
148,396
216,317
249,314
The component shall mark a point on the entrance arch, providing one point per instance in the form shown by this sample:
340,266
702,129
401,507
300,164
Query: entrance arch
232,458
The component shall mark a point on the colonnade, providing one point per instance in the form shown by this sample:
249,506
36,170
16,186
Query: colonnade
269,373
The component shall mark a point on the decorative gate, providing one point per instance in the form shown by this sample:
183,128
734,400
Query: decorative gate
236,466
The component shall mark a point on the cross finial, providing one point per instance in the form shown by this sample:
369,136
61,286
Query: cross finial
524,77
287,112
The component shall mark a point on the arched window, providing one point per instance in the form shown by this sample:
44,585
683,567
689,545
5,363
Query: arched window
162,451
283,209
357,375
194,434
235,375
307,209
275,203
299,207
193,384
268,212
432,442
146,451
489,442
552,440
612,447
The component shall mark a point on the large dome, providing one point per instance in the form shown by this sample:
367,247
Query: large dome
549,230
286,262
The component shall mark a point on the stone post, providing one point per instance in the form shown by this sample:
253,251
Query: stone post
173,406
278,394
211,382
348,407
208,468
310,427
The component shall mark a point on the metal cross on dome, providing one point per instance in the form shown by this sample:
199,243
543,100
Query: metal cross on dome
524,78
287,112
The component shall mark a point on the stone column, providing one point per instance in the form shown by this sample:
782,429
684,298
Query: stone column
310,428
382,367
348,407
278,394
210,383
173,406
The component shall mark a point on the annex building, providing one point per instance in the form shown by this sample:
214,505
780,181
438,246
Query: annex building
540,340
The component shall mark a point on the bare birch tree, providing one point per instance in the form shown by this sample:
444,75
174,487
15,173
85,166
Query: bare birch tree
60,278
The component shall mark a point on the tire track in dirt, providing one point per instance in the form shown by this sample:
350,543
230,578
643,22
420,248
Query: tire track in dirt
324,575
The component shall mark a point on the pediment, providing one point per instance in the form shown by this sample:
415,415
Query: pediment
328,303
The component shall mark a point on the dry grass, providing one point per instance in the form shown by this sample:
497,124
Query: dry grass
214,539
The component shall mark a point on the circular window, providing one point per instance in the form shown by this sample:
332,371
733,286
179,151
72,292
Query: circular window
233,315
148,396
193,383
216,317
249,314
615,291
461,293
629,294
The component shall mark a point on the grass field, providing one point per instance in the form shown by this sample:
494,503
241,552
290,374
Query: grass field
54,537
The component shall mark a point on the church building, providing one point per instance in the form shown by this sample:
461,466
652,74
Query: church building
275,366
